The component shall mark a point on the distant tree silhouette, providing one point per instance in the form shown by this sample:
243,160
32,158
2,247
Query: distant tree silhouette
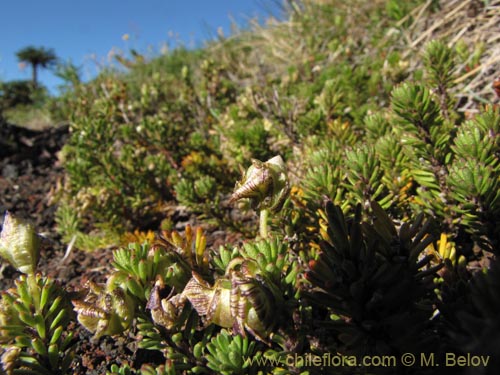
37,57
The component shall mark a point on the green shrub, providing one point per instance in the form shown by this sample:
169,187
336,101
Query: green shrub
124,153
16,92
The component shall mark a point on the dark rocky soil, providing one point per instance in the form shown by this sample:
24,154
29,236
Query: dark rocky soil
29,172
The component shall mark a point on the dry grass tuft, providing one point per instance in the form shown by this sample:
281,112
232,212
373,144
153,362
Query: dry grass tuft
471,23
469,26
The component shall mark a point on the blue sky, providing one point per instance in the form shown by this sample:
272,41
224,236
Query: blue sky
84,32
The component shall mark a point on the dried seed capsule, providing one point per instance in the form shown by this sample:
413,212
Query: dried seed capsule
237,301
264,183
10,358
255,183
104,312
164,311
19,244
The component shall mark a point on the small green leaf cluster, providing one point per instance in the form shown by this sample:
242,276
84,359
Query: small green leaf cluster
33,315
33,320
138,266
228,354
167,369
272,259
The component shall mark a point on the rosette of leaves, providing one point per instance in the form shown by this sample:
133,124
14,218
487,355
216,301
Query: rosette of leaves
182,345
34,314
272,259
374,284
421,125
439,62
364,177
474,178
322,164
394,163
228,354
330,99
137,267
33,320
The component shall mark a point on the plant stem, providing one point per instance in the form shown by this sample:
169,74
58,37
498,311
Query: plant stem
264,215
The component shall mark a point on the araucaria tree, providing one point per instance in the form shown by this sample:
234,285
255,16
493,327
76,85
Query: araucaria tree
37,57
